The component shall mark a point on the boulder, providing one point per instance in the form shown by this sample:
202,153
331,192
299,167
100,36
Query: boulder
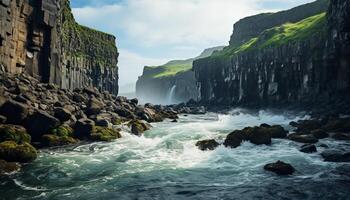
302,138
308,148
14,133
104,134
138,127
319,134
280,168
54,140
94,107
276,131
40,123
62,114
63,130
103,123
207,145
3,119
258,135
8,167
341,136
83,128
10,151
234,139
333,155
134,101
15,112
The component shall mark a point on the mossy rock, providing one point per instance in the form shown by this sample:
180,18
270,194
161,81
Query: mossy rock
104,134
63,130
138,127
54,140
10,151
117,121
8,167
14,133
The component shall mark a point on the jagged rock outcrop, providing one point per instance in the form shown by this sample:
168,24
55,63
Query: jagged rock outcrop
171,83
306,69
42,39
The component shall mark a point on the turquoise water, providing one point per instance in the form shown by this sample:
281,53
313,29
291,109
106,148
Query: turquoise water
165,164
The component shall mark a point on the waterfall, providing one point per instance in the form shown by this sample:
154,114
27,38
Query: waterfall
171,94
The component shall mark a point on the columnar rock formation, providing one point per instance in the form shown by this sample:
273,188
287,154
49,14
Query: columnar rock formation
42,39
309,67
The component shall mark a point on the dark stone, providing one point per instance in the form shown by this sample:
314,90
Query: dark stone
8,167
40,123
134,101
3,119
308,148
336,156
83,128
319,134
15,112
94,107
341,136
258,135
234,139
280,168
138,127
102,123
303,138
207,145
62,114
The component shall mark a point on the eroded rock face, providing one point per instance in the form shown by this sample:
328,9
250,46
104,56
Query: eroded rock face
41,38
205,145
280,168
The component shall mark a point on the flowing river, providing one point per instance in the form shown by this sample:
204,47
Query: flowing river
166,164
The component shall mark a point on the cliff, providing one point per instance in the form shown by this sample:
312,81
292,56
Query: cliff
42,39
173,82
304,63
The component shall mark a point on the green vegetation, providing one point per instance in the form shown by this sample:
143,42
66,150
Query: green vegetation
14,133
277,36
63,130
54,140
104,134
10,151
173,69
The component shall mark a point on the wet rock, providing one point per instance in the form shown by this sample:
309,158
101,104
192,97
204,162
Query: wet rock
134,101
62,114
8,167
138,127
3,119
258,135
103,123
280,168
308,125
308,148
341,136
338,125
40,123
54,140
10,151
303,138
319,134
276,131
174,120
15,112
63,130
94,107
234,139
14,133
207,145
332,155
83,128
104,134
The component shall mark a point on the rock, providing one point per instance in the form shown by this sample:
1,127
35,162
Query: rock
234,139
308,148
54,140
15,112
308,125
62,114
10,151
332,155
103,123
134,101
63,130
258,135
40,123
79,98
104,134
3,119
138,127
207,145
8,167
338,125
14,133
319,134
174,120
276,131
94,107
280,168
83,128
302,138
124,113
341,136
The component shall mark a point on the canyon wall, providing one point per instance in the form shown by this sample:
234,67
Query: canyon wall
42,39
312,72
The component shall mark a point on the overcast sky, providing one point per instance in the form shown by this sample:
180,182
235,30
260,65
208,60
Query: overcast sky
151,32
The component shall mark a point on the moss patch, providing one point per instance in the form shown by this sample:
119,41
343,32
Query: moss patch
63,130
104,134
54,140
14,133
10,151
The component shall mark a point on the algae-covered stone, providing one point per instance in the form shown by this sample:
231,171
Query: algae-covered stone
54,140
14,133
12,152
138,127
104,134
63,130
8,167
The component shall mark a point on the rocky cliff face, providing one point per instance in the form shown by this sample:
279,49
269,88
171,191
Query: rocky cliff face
42,39
171,83
310,72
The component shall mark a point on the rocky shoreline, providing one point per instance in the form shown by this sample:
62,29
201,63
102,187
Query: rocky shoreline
35,115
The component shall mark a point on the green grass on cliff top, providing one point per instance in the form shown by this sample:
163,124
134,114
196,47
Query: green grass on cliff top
280,35
172,69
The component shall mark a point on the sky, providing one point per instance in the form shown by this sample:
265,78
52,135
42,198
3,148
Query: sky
152,32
